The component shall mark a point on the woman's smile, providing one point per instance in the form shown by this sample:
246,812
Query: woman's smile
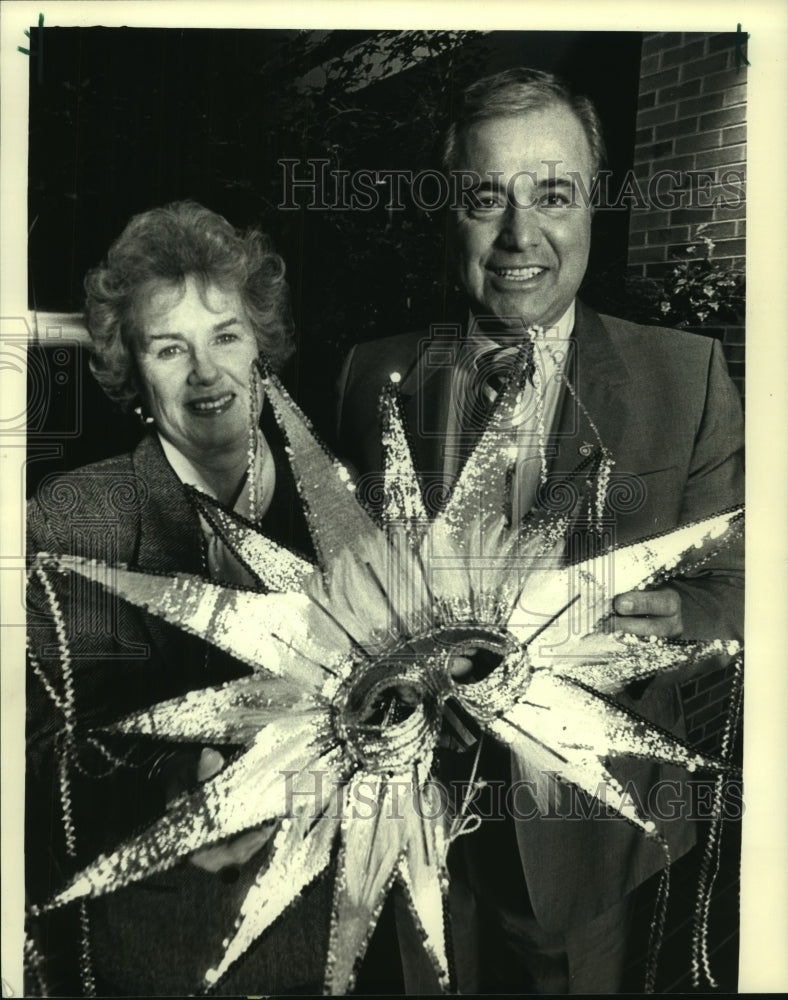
212,406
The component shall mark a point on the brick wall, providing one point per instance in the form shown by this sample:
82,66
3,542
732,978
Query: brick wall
692,116
706,703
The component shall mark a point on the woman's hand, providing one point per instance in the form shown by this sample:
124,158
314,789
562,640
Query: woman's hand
237,851
233,853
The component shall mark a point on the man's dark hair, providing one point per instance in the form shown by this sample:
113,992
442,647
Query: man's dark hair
513,92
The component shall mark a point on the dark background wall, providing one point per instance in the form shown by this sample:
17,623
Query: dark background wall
125,119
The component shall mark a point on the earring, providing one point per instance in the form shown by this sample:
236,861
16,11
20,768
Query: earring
142,417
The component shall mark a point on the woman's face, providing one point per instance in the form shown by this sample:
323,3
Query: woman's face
193,358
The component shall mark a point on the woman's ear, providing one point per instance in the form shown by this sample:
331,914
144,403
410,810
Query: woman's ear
137,396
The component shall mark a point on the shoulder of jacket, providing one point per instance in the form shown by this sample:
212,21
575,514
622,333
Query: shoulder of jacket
93,496
662,339
82,480
401,345
370,363
682,358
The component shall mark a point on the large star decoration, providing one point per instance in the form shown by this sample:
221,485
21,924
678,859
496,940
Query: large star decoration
351,669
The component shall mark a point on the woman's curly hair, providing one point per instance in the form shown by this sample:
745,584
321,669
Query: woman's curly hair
166,245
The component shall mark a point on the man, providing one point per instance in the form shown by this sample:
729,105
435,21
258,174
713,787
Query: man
551,897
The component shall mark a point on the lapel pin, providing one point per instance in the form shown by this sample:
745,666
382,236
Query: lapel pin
585,448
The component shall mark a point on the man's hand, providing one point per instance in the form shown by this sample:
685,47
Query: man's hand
649,612
235,852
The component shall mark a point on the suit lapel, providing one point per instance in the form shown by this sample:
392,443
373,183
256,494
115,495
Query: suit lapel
597,375
170,539
592,415
169,528
425,393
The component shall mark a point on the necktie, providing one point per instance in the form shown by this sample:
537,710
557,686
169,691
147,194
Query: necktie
491,368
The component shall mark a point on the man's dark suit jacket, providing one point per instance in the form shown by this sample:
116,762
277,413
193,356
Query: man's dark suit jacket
668,412
160,936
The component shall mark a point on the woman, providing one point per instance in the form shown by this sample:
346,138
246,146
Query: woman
176,315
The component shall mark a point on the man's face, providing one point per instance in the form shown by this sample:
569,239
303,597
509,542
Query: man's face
521,250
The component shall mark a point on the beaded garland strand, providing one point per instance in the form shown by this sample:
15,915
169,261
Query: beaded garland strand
711,854
68,755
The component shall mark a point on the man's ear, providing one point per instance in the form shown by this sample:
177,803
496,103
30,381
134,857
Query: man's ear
592,206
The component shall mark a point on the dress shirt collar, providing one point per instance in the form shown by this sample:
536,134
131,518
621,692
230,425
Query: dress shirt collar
220,562
189,475
560,332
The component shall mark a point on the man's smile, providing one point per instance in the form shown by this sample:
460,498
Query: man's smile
516,273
